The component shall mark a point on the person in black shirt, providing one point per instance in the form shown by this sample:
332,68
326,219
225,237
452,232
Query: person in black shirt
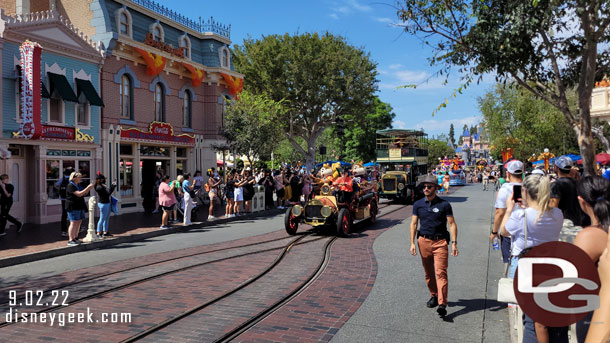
62,185
103,196
230,194
248,190
6,201
269,183
75,204
433,238
564,195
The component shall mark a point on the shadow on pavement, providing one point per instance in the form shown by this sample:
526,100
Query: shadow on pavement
456,199
472,305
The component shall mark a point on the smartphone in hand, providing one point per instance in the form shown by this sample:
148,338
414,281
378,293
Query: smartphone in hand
517,193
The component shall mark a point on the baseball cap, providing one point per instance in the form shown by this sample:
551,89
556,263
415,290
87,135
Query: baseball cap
537,171
564,163
515,167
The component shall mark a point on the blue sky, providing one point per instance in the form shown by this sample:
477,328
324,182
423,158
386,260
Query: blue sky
401,58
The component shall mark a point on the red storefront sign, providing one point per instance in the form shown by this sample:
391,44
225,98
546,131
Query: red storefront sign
162,132
58,133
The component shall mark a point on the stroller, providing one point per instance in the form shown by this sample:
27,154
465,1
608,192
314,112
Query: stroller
180,207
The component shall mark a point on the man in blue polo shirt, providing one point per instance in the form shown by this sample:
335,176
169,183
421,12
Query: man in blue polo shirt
433,241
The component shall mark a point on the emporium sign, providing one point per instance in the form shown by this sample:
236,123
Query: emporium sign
161,132
30,95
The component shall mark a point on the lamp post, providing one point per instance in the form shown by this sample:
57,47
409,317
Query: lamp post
91,234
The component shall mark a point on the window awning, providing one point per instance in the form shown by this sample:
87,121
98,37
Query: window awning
60,83
43,90
87,88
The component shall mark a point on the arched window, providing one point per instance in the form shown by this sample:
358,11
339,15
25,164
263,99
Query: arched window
185,44
157,32
123,18
225,57
159,103
186,109
125,97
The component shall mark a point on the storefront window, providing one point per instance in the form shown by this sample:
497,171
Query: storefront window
52,178
126,149
126,178
154,151
83,168
180,167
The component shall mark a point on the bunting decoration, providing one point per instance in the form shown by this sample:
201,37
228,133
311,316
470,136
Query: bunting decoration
155,63
197,74
236,85
31,126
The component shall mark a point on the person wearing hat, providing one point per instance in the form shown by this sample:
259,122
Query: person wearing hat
103,202
564,195
344,182
433,239
514,176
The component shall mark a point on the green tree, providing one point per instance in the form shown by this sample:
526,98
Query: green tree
438,149
250,127
515,118
358,143
321,77
452,135
546,47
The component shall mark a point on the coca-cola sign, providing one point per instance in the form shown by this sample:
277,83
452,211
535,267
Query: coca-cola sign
162,132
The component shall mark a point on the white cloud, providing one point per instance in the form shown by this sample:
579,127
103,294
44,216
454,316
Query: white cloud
396,77
349,6
435,126
396,66
399,124
383,20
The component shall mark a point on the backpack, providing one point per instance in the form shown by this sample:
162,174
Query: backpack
63,187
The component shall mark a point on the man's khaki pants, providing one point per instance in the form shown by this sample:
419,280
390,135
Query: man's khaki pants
434,257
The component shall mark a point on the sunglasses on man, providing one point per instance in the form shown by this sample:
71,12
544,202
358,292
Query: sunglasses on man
429,186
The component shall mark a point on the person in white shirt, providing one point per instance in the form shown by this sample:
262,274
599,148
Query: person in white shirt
543,225
514,176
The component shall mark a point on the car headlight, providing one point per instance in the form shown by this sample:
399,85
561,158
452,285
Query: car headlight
325,190
401,186
326,211
297,210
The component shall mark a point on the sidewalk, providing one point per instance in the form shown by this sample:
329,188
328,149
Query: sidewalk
37,242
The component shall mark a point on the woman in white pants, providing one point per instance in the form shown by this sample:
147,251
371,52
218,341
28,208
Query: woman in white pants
239,193
189,197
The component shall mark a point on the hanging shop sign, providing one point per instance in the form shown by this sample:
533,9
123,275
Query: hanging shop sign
154,63
157,131
197,74
30,95
150,41
58,133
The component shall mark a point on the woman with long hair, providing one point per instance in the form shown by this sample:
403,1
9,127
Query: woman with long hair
230,194
213,192
594,200
104,204
543,224
248,187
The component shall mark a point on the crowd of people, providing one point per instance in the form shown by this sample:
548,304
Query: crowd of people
235,192
559,204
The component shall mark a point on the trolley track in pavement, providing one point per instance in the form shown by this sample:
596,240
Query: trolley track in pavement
263,314
99,276
156,276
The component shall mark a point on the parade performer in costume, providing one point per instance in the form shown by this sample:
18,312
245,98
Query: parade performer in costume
546,156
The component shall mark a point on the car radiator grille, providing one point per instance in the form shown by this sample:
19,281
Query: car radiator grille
313,211
389,185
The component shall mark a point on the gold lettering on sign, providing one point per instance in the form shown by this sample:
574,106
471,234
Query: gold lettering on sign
395,153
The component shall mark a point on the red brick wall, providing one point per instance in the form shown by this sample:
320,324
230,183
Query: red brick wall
206,113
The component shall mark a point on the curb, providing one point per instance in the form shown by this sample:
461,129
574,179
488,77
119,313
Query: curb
41,255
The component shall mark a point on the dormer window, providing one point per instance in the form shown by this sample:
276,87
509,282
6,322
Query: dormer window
124,21
185,44
157,32
225,57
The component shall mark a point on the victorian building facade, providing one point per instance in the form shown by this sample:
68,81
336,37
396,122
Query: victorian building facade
65,130
165,84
